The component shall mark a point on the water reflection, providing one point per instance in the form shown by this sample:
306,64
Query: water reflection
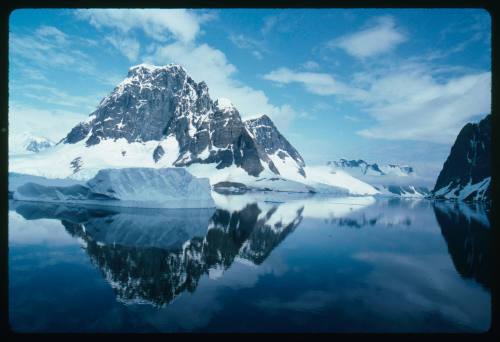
388,212
151,256
325,264
466,229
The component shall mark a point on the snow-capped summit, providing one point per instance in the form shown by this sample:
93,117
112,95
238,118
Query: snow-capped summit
284,156
28,142
398,170
224,104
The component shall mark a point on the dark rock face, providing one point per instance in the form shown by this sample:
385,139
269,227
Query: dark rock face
76,164
469,162
79,132
270,141
142,107
230,188
154,103
158,153
223,135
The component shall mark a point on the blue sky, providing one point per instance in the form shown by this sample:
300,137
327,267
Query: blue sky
386,85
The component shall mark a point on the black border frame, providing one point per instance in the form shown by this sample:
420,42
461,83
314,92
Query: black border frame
10,6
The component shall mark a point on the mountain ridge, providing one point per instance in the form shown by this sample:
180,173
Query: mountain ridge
172,105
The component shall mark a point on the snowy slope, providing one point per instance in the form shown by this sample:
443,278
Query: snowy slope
471,192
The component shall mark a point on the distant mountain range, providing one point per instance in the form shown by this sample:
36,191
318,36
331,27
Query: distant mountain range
361,167
388,179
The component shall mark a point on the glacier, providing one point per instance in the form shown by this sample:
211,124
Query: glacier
128,187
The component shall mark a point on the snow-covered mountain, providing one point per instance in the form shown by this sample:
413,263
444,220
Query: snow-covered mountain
402,190
362,168
160,117
388,179
165,106
27,143
466,173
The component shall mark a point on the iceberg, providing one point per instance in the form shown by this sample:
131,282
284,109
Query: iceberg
128,187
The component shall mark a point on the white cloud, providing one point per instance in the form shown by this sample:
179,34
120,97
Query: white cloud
283,21
314,82
158,24
50,95
416,106
352,118
52,32
205,63
257,54
247,43
47,49
129,47
408,102
372,41
269,24
23,118
42,49
310,65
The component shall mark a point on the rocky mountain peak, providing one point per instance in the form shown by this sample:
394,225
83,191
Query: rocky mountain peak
263,120
164,105
224,105
145,67
143,105
274,144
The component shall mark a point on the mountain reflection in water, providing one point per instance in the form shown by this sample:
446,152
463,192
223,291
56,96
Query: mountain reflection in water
466,229
338,252
151,256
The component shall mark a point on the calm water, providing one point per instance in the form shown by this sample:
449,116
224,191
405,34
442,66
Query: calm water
338,264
